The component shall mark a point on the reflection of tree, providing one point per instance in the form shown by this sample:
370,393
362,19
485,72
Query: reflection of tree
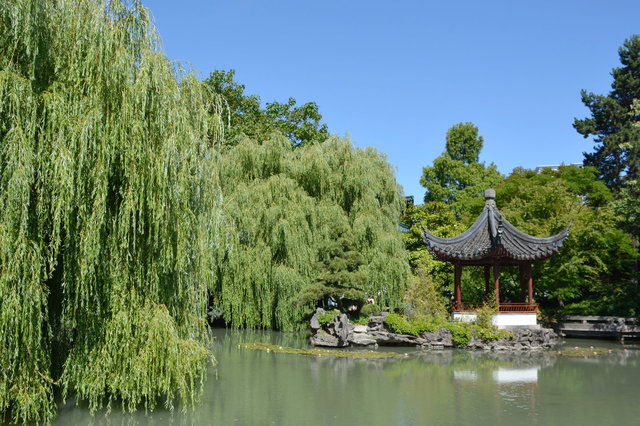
255,387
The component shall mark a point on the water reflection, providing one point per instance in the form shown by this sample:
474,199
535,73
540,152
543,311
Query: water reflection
446,387
516,375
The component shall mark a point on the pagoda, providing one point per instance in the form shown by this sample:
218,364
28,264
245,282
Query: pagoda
494,243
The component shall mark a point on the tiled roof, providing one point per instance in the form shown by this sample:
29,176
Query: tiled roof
492,236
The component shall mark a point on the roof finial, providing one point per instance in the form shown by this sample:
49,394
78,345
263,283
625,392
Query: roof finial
489,194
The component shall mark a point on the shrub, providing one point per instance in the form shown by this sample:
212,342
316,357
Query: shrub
371,309
360,320
460,332
416,325
423,295
489,335
327,317
427,323
485,314
483,327
397,323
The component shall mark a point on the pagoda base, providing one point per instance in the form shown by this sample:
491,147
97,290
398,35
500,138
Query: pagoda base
505,320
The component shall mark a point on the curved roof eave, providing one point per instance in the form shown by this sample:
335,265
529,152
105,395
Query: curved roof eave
502,239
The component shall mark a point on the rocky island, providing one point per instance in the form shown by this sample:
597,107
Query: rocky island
339,332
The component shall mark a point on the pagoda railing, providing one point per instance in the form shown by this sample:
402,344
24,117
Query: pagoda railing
505,308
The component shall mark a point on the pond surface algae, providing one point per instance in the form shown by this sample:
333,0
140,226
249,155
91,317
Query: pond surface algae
268,347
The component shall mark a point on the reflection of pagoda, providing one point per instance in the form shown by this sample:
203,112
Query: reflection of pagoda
494,243
511,390
503,375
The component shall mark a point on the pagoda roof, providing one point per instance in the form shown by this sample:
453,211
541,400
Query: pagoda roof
492,238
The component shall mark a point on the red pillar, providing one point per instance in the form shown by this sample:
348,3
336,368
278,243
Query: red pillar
496,279
530,283
523,282
487,280
457,282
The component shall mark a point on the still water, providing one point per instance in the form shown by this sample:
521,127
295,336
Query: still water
445,387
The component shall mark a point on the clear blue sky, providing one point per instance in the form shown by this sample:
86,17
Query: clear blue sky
397,75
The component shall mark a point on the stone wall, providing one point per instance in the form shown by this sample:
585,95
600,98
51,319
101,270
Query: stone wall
341,333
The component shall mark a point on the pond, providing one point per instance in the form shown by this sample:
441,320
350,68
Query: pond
442,387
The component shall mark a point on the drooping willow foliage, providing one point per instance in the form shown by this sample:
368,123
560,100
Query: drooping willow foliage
284,206
109,210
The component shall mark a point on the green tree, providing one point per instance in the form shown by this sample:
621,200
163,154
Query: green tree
110,211
301,124
592,273
435,216
425,296
339,271
615,126
322,213
463,143
612,121
456,177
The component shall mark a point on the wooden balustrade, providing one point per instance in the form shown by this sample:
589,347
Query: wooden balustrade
505,308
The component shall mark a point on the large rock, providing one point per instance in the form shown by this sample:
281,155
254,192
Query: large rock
387,338
324,339
376,323
360,329
343,329
363,339
442,337
315,323
476,343
522,339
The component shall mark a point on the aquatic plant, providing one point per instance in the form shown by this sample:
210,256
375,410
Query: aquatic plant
583,351
338,353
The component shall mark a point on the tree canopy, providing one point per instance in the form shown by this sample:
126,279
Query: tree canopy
322,214
592,274
109,204
613,121
615,127
463,143
302,124
456,177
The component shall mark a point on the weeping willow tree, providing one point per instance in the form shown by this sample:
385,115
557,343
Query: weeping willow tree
284,206
110,210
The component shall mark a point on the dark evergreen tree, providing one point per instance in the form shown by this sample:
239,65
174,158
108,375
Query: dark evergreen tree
340,273
612,121
615,126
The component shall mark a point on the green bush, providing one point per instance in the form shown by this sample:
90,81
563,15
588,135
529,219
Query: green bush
327,317
360,320
423,295
460,331
483,327
485,314
490,334
398,324
416,325
371,309
427,323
